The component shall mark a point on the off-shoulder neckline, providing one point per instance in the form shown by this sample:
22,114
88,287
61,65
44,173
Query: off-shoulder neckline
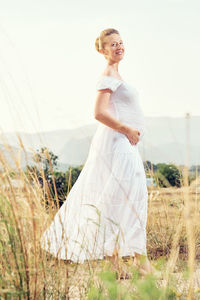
112,77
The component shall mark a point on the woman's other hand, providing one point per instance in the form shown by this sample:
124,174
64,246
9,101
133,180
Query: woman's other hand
133,136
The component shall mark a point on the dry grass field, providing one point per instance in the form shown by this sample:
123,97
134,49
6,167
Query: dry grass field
28,272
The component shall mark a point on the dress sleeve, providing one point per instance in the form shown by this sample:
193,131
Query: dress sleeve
108,82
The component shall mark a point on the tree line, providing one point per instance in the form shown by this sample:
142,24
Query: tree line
57,184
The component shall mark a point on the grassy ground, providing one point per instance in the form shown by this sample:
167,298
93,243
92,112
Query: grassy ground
28,272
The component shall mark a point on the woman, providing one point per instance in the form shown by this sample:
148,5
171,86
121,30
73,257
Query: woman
105,212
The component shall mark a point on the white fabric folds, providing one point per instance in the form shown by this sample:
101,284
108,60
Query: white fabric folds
107,206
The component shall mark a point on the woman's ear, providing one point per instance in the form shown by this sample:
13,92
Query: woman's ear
101,51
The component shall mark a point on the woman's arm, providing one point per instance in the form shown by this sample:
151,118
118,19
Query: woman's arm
101,114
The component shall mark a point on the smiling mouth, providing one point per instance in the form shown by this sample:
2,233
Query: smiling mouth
119,52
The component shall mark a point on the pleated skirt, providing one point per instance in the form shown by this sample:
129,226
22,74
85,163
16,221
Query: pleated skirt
106,209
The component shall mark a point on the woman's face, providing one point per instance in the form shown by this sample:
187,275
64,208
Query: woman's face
113,47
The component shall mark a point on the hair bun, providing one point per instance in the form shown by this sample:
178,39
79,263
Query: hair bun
97,44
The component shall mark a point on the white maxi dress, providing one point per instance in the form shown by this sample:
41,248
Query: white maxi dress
106,208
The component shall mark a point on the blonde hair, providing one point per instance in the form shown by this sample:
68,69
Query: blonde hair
99,43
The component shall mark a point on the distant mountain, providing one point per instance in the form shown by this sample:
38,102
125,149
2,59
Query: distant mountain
14,156
76,150
165,141
54,140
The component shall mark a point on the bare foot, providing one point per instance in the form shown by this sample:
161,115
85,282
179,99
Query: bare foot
122,274
143,266
119,271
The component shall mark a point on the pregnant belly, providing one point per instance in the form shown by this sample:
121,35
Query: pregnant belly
107,140
138,124
121,144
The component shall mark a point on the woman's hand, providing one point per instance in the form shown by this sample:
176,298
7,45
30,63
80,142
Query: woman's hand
133,136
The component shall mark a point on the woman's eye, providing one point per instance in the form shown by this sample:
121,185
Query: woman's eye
114,44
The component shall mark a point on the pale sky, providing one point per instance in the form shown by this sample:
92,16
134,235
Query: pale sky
49,65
